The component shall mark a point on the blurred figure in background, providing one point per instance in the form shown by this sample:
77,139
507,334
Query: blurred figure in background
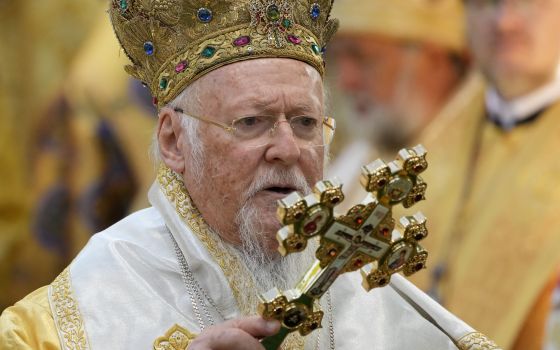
494,199
396,65
37,52
83,157
101,124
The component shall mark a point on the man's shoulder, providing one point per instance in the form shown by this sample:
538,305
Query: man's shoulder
460,115
145,219
29,324
139,227
37,300
133,239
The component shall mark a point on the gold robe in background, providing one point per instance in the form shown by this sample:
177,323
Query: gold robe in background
493,213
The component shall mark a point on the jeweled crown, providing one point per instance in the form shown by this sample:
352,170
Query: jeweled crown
171,43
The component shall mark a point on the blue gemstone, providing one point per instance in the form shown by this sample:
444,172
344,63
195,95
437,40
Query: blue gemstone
204,15
315,11
208,52
149,48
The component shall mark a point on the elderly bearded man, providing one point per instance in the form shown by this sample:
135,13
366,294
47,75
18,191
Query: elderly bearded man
239,89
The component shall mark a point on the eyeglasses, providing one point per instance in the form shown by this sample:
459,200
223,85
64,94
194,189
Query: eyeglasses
308,130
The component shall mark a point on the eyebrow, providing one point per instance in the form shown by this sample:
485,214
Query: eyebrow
261,104
297,106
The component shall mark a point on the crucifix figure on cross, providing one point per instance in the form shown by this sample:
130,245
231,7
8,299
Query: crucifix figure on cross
366,238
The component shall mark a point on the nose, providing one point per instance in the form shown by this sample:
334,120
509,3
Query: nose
283,147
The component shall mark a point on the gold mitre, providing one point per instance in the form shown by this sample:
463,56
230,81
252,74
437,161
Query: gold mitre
171,43
439,22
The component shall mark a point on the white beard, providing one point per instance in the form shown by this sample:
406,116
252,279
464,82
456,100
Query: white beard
267,270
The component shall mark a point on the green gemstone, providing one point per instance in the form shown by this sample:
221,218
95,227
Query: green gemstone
208,51
124,5
163,83
316,49
272,13
287,23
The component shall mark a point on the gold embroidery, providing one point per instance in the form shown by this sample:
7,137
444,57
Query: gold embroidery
476,341
171,43
67,316
179,338
175,190
176,338
224,50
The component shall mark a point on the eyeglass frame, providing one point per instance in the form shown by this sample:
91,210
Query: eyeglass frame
231,129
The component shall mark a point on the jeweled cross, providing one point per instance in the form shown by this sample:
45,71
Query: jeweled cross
364,239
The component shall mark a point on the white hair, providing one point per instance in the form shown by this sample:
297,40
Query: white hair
188,101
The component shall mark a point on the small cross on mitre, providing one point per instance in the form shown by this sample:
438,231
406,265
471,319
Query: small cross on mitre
365,239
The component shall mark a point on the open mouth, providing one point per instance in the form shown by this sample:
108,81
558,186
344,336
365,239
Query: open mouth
280,190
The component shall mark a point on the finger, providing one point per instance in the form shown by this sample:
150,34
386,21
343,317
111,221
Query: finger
256,326
225,338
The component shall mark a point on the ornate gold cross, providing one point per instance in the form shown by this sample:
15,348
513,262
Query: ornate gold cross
365,239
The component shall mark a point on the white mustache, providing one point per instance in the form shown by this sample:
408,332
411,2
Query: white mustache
279,177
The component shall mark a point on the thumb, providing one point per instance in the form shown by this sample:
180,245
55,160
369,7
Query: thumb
256,326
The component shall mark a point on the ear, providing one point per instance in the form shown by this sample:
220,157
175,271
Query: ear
169,134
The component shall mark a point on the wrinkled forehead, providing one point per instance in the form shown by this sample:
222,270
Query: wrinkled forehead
262,81
274,70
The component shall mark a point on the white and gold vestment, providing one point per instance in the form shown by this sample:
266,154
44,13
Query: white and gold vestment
125,291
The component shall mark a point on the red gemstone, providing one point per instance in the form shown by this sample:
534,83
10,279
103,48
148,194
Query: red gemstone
155,101
310,227
359,221
294,39
358,263
242,41
181,66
